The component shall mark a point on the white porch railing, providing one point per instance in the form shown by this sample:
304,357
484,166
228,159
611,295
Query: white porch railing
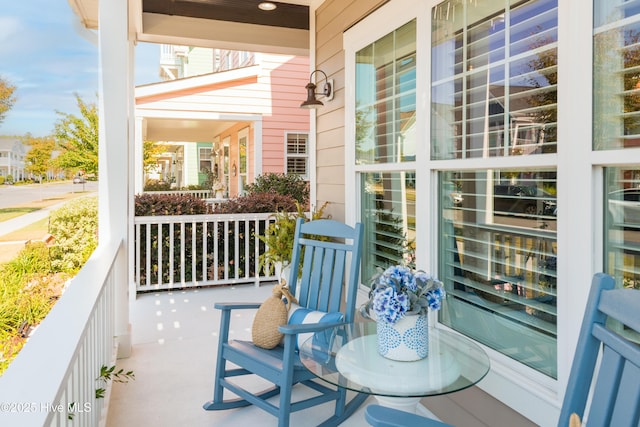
52,381
200,194
197,250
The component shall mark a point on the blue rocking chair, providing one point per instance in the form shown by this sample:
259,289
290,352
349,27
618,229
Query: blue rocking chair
328,284
616,386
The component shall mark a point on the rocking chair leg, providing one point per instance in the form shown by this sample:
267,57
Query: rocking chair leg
346,411
218,403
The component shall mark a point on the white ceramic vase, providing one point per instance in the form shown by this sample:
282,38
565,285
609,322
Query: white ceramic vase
406,340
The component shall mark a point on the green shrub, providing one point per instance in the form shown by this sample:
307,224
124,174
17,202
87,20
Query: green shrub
258,203
154,185
33,258
289,185
169,204
27,292
278,237
75,228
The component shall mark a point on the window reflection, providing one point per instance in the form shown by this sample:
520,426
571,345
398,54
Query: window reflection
500,98
622,225
386,98
498,253
616,101
389,219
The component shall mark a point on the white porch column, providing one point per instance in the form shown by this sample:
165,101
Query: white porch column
138,156
115,93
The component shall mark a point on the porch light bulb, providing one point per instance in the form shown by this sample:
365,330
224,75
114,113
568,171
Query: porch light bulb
267,5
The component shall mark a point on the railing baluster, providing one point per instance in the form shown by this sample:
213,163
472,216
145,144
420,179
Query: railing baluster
205,252
148,253
137,228
172,254
194,250
216,227
159,255
182,255
236,251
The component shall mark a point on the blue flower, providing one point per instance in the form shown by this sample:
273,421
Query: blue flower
398,290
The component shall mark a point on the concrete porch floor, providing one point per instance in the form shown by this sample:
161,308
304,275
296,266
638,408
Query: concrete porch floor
173,358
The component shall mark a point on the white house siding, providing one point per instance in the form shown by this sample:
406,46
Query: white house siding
12,153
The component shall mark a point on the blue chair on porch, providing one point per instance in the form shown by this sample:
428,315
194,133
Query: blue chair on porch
328,284
616,385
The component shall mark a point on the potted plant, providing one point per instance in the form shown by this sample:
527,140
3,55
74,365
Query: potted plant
218,189
400,298
278,238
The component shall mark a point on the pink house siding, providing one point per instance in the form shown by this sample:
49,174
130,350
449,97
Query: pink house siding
270,91
287,84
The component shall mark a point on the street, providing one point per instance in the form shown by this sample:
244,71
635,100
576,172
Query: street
15,195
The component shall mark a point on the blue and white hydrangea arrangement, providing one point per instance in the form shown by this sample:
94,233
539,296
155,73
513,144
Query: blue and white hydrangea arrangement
399,291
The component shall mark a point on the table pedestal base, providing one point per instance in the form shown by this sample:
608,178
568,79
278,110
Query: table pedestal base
407,404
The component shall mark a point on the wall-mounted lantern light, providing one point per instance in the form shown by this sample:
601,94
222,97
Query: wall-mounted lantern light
327,91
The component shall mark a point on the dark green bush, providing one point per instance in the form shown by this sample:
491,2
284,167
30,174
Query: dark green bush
169,204
288,185
258,203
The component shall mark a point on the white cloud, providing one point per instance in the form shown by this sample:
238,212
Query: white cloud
9,33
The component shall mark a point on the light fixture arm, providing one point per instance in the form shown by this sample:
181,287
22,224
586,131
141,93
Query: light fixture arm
327,91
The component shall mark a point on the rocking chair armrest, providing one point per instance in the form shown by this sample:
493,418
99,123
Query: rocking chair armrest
228,306
308,327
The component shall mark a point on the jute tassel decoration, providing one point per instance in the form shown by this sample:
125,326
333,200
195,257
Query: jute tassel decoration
271,314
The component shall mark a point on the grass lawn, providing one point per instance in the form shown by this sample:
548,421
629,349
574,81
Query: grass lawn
9,213
12,243
34,231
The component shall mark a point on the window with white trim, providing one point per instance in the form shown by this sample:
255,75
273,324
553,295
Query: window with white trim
205,160
616,126
494,95
385,148
297,153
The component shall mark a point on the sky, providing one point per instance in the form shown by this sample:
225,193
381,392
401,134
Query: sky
50,57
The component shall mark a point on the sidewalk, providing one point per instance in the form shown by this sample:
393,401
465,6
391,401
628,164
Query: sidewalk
22,221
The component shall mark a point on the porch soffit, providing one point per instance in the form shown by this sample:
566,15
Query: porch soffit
183,130
223,24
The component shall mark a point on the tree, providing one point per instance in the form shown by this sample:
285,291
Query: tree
150,153
38,158
77,138
6,98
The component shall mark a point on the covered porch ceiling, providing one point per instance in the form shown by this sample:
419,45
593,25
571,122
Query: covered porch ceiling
183,130
223,24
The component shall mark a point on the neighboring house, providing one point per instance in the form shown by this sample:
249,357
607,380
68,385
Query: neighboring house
238,122
12,153
517,283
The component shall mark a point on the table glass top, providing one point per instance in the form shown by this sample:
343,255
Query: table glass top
352,361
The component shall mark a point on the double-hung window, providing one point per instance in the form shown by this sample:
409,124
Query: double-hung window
493,101
385,148
297,153
616,110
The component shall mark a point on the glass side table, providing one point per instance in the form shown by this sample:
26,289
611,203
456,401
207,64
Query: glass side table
347,356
